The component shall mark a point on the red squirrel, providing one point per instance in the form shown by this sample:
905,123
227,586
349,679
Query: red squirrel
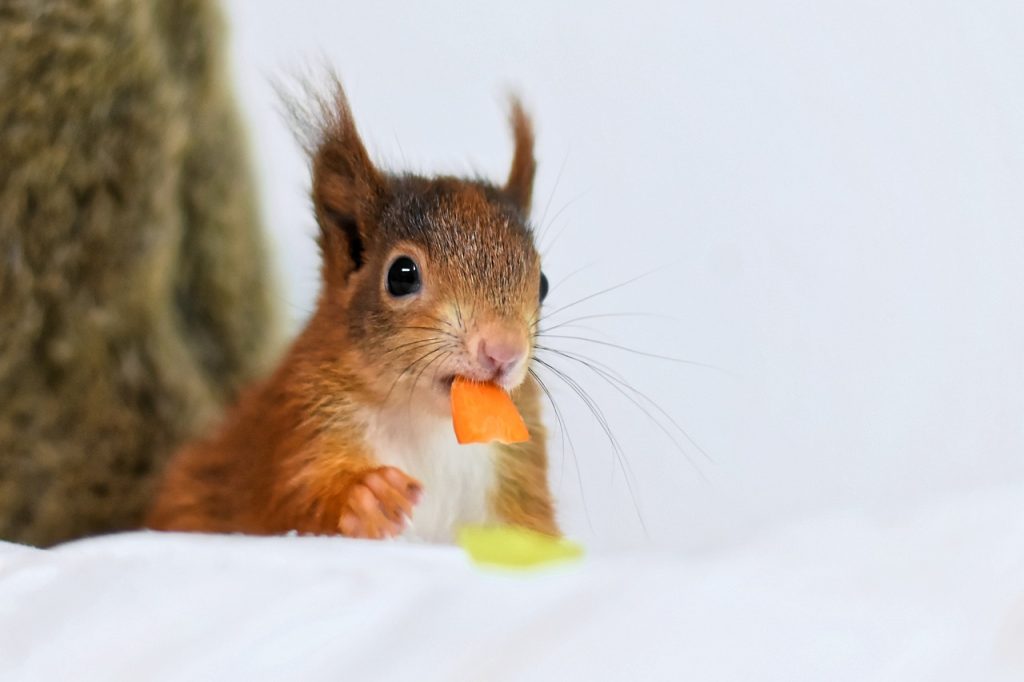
423,279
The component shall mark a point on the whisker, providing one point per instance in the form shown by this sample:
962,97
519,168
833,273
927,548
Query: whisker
605,291
446,323
570,276
619,384
547,249
602,420
533,319
409,368
564,432
607,315
423,369
551,196
458,313
433,356
408,344
543,333
429,329
656,356
610,372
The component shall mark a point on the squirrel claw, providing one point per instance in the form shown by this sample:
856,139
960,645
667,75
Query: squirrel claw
379,503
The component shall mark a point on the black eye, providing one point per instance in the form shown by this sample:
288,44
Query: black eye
543,287
403,277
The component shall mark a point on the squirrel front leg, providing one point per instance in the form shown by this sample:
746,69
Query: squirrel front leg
331,489
522,497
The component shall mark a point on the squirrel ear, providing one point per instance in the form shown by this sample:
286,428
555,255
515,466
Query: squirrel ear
519,186
345,186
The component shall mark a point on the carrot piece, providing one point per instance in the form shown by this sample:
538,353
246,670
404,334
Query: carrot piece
482,413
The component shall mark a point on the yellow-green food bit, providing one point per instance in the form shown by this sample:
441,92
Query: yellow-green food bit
515,547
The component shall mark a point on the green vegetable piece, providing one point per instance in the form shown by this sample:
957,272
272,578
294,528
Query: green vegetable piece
515,546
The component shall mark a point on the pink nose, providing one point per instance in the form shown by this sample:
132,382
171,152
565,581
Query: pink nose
499,350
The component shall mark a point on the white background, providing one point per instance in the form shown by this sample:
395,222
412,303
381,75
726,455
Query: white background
830,194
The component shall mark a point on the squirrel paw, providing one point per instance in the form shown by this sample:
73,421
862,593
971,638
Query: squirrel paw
378,504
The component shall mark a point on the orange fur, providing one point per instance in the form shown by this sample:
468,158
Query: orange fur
294,453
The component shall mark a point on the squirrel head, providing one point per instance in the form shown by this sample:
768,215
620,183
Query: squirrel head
424,278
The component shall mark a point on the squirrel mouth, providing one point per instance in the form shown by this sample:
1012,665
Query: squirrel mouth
445,382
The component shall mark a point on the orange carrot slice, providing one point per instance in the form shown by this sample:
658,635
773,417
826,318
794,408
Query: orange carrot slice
482,413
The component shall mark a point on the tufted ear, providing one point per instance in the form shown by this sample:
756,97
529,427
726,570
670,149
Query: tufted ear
346,186
519,186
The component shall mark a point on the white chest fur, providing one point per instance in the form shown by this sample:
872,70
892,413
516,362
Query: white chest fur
457,479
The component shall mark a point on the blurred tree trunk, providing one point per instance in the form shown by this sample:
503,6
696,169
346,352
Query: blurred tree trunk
134,291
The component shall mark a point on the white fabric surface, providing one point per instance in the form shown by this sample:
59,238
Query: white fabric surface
936,593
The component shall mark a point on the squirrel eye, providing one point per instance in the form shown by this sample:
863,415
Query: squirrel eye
403,277
543,287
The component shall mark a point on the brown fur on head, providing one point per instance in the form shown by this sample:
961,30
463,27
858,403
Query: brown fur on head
479,271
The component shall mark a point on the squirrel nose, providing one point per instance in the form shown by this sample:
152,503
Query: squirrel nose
499,350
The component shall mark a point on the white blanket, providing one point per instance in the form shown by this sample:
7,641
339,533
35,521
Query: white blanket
933,594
